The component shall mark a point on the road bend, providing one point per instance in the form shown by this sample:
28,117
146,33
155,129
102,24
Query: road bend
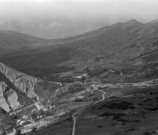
103,96
74,118
77,113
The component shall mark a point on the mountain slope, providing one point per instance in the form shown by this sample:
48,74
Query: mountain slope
27,102
111,62
118,47
16,42
12,41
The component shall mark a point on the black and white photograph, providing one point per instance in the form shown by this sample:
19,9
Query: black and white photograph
78,67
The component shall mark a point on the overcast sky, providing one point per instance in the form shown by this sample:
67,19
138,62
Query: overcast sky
64,18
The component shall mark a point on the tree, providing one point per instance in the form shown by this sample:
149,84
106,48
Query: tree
83,79
41,112
34,116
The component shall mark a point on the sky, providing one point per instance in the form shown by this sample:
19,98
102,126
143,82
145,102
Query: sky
64,18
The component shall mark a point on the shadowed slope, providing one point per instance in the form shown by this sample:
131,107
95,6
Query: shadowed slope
121,45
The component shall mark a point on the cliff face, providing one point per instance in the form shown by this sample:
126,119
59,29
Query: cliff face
23,82
3,102
18,89
21,95
8,98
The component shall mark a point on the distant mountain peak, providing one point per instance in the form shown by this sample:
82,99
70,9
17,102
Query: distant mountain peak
132,23
116,25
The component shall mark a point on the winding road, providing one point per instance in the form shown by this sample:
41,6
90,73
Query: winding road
74,117
78,112
103,96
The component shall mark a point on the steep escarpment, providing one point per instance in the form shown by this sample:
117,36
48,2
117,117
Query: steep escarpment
23,82
3,99
20,90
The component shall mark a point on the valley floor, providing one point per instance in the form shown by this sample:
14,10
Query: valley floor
129,108
130,115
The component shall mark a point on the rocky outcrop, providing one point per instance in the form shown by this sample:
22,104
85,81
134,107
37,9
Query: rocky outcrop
8,98
12,98
21,88
23,83
3,102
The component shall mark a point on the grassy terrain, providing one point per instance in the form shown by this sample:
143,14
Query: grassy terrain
130,115
123,46
124,52
40,64
123,116
61,128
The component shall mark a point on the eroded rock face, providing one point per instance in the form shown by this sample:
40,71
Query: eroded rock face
24,83
8,98
35,90
3,102
12,98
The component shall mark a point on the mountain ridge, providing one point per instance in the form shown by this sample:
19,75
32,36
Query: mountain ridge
106,47
46,84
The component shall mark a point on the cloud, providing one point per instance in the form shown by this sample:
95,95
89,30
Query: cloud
59,18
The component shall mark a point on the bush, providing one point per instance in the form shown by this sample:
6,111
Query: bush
148,133
41,112
34,116
7,123
34,130
18,132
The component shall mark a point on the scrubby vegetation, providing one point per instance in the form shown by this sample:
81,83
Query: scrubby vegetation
6,122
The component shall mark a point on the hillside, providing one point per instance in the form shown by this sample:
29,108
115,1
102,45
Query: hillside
28,103
16,42
26,99
11,41
113,68
127,47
